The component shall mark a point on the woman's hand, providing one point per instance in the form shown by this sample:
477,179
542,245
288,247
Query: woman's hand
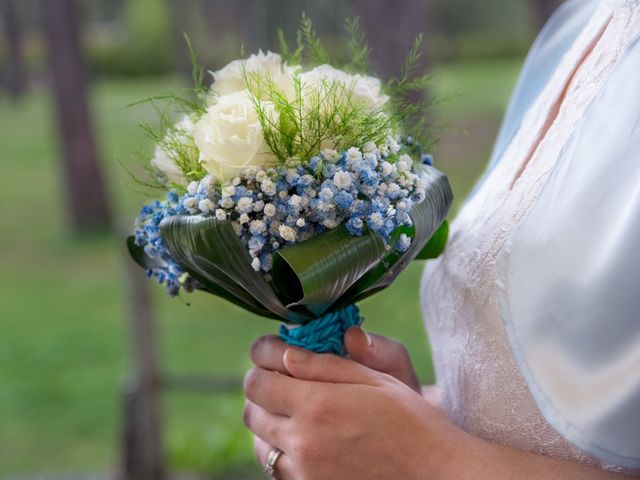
336,418
374,351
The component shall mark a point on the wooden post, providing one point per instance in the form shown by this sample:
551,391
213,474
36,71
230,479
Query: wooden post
87,200
142,455
16,75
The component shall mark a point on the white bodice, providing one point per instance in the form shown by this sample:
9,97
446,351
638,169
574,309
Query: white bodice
480,385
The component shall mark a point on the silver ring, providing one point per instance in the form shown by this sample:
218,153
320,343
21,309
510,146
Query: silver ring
270,466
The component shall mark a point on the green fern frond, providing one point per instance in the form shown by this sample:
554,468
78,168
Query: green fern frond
358,46
316,53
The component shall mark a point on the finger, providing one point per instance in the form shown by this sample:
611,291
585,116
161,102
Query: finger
266,425
306,365
431,394
283,466
277,393
382,354
267,352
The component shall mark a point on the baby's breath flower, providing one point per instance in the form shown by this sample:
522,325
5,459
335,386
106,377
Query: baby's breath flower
257,227
404,242
354,154
404,163
369,147
244,205
269,209
255,263
268,187
343,180
209,182
388,169
261,176
295,201
192,188
331,222
221,214
330,155
287,233
206,206
375,220
258,206
191,204
250,172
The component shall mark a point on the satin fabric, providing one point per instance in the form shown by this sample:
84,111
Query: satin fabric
569,275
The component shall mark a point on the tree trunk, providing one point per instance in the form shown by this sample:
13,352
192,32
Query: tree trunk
391,26
16,75
180,23
544,9
86,194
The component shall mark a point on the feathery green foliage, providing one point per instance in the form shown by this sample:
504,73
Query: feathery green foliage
316,54
409,93
168,136
410,96
315,118
358,46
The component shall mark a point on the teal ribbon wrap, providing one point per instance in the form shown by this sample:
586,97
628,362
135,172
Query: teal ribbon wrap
325,334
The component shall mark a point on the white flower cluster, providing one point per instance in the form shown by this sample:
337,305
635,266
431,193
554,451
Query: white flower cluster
228,137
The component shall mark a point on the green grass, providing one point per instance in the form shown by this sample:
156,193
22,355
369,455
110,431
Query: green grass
64,344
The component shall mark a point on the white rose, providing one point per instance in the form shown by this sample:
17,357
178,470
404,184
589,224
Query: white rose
164,164
364,89
164,160
369,91
230,79
229,137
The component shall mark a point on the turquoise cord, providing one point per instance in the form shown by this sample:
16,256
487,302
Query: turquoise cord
324,334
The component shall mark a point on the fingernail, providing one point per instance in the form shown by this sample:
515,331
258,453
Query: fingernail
296,355
369,339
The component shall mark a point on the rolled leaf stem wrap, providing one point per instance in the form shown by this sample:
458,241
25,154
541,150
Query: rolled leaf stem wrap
325,334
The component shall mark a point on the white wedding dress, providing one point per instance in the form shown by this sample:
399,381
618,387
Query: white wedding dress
573,96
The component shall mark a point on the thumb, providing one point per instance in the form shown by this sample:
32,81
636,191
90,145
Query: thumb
381,354
323,367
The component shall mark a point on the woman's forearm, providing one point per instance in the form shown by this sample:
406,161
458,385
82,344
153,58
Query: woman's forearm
496,462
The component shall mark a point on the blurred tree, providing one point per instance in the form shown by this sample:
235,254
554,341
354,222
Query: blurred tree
391,26
149,43
16,75
545,8
180,22
223,30
88,206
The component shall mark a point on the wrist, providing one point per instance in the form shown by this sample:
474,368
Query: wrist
452,454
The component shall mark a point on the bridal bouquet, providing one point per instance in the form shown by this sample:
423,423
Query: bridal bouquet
294,189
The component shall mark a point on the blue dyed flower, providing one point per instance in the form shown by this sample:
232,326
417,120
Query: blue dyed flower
403,243
343,199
